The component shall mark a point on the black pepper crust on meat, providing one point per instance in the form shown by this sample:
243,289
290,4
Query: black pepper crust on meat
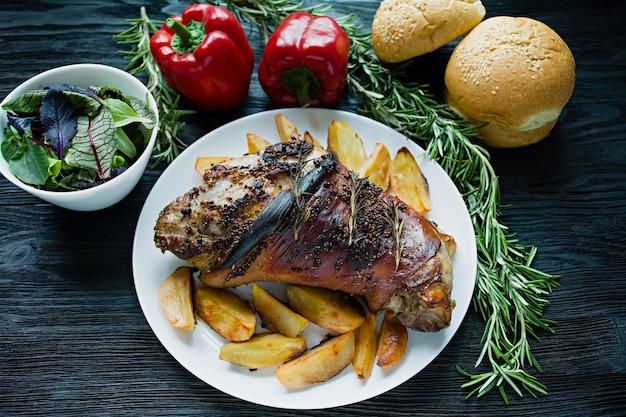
206,223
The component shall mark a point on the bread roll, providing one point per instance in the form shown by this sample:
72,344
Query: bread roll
404,29
514,73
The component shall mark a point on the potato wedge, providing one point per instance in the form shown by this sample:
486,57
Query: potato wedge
376,166
347,144
226,313
175,297
332,310
365,347
274,315
263,350
285,127
205,162
392,341
256,143
408,183
307,136
318,364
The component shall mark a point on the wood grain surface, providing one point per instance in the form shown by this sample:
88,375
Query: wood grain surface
74,341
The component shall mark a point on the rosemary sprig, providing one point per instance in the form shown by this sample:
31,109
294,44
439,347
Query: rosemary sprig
391,216
169,143
357,203
302,212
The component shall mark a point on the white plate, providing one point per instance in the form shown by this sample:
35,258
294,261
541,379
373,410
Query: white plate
198,350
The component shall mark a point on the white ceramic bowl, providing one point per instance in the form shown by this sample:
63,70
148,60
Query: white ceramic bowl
84,75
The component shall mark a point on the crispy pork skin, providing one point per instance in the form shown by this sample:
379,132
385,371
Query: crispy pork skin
345,234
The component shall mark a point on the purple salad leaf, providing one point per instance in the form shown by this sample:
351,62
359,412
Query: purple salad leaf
58,121
22,124
94,145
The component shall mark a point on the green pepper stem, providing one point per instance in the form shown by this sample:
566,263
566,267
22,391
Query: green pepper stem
302,82
179,29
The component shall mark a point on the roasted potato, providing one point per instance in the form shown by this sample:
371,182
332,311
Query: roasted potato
175,297
226,313
205,162
307,136
274,315
392,340
365,347
376,167
256,143
408,183
285,127
332,310
263,350
348,146
318,364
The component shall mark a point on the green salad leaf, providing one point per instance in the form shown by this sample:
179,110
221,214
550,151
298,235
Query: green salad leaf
123,114
28,161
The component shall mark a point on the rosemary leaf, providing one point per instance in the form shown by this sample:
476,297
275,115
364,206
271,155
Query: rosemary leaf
357,204
391,216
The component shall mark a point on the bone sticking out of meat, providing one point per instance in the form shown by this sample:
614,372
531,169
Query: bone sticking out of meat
337,231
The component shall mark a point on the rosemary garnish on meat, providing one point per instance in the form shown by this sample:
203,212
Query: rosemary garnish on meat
357,203
510,293
302,211
391,216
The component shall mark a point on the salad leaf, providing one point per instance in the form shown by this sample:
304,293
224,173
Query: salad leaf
22,124
124,144
30,163
11,142
58,121
106,92
143,110
123,114
118,162
27,103
54,169
94,144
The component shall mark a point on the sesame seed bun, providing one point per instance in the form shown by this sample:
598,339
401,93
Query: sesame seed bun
404,29
514,73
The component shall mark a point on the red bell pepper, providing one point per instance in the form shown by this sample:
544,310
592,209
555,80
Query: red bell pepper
305,62
204,54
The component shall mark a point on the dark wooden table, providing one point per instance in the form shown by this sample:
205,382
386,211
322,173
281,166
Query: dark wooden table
74,341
